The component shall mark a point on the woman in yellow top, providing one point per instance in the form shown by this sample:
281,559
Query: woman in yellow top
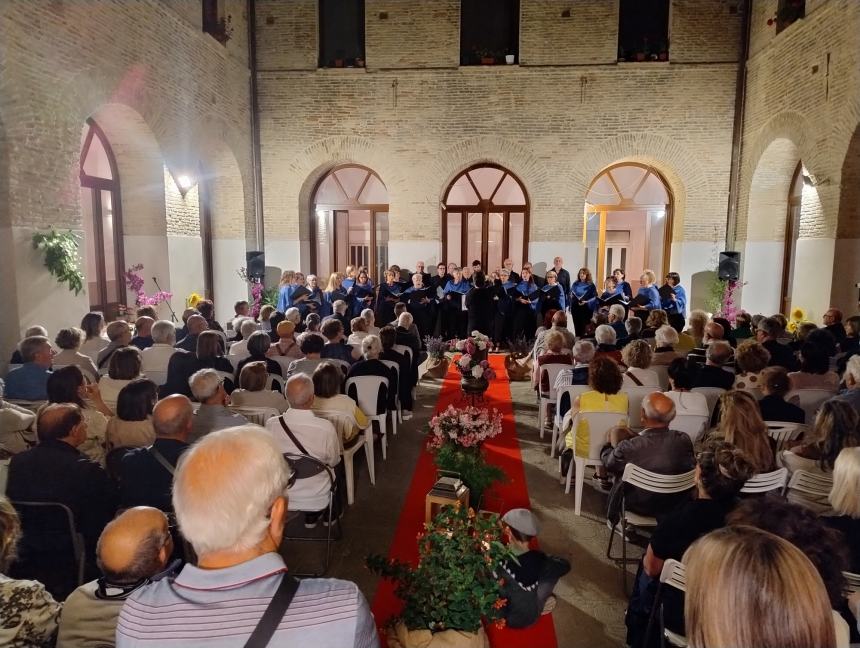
327,398
605,380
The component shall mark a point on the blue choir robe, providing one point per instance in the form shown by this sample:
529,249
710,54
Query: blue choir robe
285,297
503,297
528,289
388,296
582,291
457,290
347,283
331,296
558,300
653,296
313,304
359,294
623,288
680,303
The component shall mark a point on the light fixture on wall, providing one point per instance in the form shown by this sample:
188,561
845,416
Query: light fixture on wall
185,182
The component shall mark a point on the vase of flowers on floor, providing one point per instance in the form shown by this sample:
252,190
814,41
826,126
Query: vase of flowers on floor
446,600
456,437
437,358
518,361
473,365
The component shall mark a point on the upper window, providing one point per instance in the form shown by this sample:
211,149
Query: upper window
215,22
627,185
643,30
788,12
489,31
341,33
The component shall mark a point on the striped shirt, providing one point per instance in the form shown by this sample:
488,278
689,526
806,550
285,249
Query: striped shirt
219,608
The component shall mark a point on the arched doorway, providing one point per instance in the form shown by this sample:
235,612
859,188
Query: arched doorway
485,215
627,221
349,222
792,232
102,222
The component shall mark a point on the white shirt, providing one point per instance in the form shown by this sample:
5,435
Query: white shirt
356,338
238,352
320,440
93,347
648,377
692,403
110,389
156,357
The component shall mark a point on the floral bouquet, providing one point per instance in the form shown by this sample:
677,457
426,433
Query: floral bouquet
473,363
134,282
193,299
797,316
468,427
436,347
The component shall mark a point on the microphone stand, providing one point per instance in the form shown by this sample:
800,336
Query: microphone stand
172,312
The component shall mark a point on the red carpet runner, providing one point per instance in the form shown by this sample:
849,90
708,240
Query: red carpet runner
503,451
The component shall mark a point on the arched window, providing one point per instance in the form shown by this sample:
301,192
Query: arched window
485,215
792,231
102,222
628,214
349,222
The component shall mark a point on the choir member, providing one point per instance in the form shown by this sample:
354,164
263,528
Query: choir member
553,297
315,300
425,276
419,302
334,290
349,277
467,274
509,266
441,280
676,301
389,294
561,274
481,306
623,287
648,297
476,267
453,315
285,291
526,300
582,292
502,285
361,293
539,281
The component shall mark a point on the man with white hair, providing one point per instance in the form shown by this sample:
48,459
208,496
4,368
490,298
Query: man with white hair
712,374
230,497
30,380
604,335
195,325
339,312
207,386
617,314
30,332
851,393
368,315
157,357
300,431
406,337
239,350
583,354
119,334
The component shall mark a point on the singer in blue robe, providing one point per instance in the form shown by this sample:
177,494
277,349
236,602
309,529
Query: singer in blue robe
504,304
361,294
389,294
285,296
553,297
454,318
526,302
679,303
648,290
582,292
622,287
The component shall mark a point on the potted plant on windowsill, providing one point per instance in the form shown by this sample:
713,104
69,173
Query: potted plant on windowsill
486,57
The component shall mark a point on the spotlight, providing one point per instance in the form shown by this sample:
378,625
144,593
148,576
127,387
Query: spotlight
185,182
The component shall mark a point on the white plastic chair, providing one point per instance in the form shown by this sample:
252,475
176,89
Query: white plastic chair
809,400
712,395
343,364
402,348
256,415
33,406
572,391
852,582
226,375
158,377
550,371
272,380
766,482
344,424
635,396
4,474
693,425
283,362
599,424
809,489
396,416
674,574
366,389
662,372
782,432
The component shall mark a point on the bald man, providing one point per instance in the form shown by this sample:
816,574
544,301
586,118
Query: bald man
656,448
133,548
195,325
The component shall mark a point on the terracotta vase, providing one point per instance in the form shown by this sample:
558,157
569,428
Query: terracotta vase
437,367
401,637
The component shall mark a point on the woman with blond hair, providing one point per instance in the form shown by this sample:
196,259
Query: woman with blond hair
696,326
751,359
647,294
750,588
844,499
656,318
742,425
285,290
637,356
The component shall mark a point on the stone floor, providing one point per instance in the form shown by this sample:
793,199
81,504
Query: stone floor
590,610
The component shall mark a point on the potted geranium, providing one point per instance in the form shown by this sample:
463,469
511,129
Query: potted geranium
437,359
452,589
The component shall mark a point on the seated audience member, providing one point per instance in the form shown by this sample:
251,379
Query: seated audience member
851,342
804,329
657,448
851,393
327,380
554,354
182,331
336,347
258,347
737,593
119,336
339,313
656,318
721,472
412,328
824,340
207,311
696,330
294,315
712,374
195,325
743,326
241,310
132,425
751,359
311,345
29,381
370,318
29,613
371,365
55,471
528,581
68,340
405,384
252,390
814,370
741,424
300,431
125,364
637,356
399,309
157,357
845,502
583,354
713,332
93,326
359,331
728,333
209,355
557,322
775,385
313,322
207,387
286,346
604,335
239,350
146,474
665,340
231,504
833,324
134,548
32,331
768,332
680,383
836,426
685,342
143,333
632,330
16,426
266,313
617,315
67,385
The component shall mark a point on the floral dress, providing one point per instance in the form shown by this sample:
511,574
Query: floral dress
28,614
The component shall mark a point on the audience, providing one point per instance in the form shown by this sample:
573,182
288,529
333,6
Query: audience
119,336
311,345
554,353
359,331
604,335
239,349
665,339
814,370
615,319
833,324
407,335
697,321
252,391
687,402
405,383
371,365
125,364
258,348
206,308
775,384
132,425
93,327
656,318
133,548
637,356
68,340
157,357
768,332
143,333
327,379
286,346
209,355
845,502
16,434
370,319
751,359
231,503
632,330
851,393
67,385
195,325
29,381
741,424
712,374
207,387
336,347
29,613
146,474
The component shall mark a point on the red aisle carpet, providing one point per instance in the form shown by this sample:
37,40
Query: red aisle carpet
503,451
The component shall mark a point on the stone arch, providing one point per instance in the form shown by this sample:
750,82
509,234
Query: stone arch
846,263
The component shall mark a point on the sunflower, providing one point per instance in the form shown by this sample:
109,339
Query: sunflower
791,327
798,314
193,299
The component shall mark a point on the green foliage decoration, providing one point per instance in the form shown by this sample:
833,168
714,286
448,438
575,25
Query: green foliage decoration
61,256
471,466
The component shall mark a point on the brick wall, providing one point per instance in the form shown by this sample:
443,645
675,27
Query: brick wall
588,35
415,33
705,31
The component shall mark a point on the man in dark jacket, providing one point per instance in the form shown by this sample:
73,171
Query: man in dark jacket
712,374
767,333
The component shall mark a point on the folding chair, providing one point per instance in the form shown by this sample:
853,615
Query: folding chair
653,483
690,424
766,482
365,391
809,400
635,396
810,490
570,393
674,574
256,415
344,423
547,398
712,395
782,432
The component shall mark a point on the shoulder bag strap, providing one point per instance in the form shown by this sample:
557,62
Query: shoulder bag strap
275,611
160,459
634,378
293,436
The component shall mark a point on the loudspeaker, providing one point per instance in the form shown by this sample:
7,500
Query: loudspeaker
730,266
256,264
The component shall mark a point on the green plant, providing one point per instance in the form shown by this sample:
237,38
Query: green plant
472,467
61,256
270,296
453,586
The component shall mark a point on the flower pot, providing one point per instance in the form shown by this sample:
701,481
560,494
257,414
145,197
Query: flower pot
487,60
401,637
437,367
663,56
516,370
473,386
509,59
338,63
640,56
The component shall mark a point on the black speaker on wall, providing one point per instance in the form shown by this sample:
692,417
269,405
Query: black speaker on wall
256,264
730,266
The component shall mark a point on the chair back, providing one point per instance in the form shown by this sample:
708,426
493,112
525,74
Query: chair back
33,406
662,372
550,371
402,348
393,365
365,390
113,461
343,364
712,395
598,425
343,422
692,425
674,574
658,482
635,396
256,415
227,377
766,482
810,484
809,400
567,395
283,362
274,383
158,377
782,433
852,583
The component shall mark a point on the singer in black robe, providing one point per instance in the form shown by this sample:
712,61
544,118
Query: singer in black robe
481,307
419,301
389,294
